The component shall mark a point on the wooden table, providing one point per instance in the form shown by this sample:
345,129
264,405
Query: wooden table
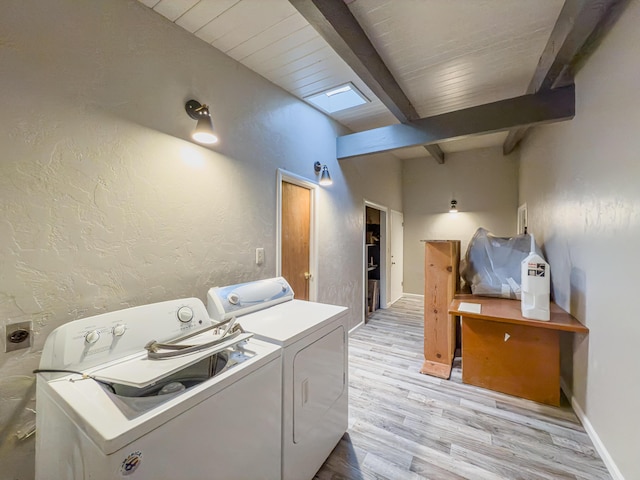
503,351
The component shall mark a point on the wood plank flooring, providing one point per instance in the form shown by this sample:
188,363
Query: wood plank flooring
404,425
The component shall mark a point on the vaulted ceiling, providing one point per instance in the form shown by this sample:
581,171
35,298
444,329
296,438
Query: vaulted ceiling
414,59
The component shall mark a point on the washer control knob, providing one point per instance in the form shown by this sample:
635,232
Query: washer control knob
92,337
233,298
119,330
185,314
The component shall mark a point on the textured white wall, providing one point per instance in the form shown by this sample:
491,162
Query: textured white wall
376,178
581,182
106,204
485,184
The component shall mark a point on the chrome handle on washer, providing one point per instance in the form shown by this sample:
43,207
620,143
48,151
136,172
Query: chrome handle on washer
153,347
232,330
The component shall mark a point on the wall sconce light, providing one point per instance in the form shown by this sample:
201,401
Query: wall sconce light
325,178
454,207
204,129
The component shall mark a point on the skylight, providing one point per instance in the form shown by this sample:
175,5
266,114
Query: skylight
338,98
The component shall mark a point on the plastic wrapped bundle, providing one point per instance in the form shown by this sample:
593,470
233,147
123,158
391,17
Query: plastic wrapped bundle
491,266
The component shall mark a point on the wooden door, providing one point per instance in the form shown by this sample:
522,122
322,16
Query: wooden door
296,236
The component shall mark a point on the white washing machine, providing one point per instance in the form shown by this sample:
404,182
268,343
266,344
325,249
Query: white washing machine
208,406
314,365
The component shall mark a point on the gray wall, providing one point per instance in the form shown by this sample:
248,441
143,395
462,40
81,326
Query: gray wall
581,182
485,184
106,204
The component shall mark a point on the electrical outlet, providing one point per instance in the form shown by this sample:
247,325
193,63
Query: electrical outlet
259,256
17,336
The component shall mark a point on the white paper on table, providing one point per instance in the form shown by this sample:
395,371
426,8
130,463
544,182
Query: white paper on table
469,307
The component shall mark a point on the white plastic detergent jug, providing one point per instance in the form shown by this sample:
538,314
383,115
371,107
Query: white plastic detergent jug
535,275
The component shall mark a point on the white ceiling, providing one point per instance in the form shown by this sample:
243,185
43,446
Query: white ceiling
445,54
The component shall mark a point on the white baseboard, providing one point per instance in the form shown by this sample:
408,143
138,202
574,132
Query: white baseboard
412,295
391,303
360,324
593,435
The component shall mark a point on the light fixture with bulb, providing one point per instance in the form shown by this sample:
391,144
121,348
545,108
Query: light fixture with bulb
323,171
454,207
204,129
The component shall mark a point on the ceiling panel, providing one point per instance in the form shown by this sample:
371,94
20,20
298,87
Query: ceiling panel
450,55
291,55
243,21
269,35
446,55
172,9
202,12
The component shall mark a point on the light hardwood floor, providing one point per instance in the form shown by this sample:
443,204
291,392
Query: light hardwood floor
404,425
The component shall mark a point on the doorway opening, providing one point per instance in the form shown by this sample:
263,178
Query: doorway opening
375,258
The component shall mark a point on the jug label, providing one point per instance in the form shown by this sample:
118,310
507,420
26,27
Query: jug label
536,269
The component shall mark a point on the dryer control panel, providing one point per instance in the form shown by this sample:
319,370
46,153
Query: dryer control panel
236,300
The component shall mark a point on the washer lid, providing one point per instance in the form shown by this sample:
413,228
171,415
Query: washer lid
139,371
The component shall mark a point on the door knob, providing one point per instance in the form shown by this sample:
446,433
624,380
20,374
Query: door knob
307,275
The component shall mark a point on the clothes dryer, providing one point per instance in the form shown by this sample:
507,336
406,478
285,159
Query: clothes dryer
314,365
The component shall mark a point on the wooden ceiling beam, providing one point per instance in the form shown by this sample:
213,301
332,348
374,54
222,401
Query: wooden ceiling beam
336,24
578,30
543,107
